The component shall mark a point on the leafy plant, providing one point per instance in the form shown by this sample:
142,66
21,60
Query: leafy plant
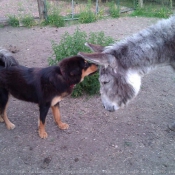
70,45
55,19
13,21
114,10
86,15
101,13
28,21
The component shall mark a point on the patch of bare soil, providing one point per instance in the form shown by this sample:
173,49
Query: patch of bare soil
134,140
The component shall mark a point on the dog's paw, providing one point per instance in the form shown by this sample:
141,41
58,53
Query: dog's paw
10,126
43,134
1,119
63,126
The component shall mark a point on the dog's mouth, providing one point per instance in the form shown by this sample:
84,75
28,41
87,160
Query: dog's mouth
94,69
92,73
72,86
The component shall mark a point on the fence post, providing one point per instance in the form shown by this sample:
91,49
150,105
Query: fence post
96,7
42,9
171,4
140,3
72,9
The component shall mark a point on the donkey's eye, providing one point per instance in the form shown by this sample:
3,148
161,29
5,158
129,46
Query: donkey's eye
105,82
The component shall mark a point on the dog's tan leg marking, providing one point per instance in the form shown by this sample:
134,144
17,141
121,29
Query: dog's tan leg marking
57,117
9,124
1,119
41,130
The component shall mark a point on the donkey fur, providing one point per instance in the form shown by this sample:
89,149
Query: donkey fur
123,64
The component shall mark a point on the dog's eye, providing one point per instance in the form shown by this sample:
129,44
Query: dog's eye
86,64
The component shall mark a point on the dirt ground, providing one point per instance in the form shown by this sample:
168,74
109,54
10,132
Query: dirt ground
132,141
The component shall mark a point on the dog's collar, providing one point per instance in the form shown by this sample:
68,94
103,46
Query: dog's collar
72,86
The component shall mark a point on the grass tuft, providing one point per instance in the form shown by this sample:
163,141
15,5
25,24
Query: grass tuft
87,15
150,11
13,21
28,21
114,10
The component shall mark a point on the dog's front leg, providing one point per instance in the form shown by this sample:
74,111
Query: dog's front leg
57,117
41,125
4,117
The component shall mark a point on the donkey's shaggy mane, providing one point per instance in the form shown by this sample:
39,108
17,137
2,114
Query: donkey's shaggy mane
152,46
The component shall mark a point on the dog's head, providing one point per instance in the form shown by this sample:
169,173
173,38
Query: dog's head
118,85
75,68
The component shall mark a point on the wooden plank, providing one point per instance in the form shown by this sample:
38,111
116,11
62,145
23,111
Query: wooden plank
4,21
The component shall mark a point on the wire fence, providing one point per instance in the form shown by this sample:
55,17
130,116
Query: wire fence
71,8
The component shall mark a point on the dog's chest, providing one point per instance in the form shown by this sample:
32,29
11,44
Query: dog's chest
55,100
58,98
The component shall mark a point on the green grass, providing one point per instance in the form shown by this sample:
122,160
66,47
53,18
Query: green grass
72,44
114,10
151,11
28,21
55,19
87,15
53,16
13,21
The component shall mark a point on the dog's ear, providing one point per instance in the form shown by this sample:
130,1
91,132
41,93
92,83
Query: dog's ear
75,72
94,47
102,59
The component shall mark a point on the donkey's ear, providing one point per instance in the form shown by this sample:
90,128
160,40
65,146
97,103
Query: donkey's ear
97,58
94,47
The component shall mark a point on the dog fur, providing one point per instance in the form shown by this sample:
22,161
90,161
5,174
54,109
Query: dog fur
123,64
43,86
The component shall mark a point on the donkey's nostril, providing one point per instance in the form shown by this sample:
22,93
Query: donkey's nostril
111,109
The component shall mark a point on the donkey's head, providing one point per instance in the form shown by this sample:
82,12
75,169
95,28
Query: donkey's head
118,84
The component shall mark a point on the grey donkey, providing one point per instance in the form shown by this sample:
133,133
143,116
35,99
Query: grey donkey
123,64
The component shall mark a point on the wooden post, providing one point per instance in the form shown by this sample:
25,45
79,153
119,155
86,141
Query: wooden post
171,4
140,3
42,9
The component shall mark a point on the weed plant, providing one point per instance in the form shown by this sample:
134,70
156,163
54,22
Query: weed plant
13,21
87,15
114,10
72,44
55,19
28,21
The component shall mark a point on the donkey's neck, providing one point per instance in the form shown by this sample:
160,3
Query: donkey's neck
151,47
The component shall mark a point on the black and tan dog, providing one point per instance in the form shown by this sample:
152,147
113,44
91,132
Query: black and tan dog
44,86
